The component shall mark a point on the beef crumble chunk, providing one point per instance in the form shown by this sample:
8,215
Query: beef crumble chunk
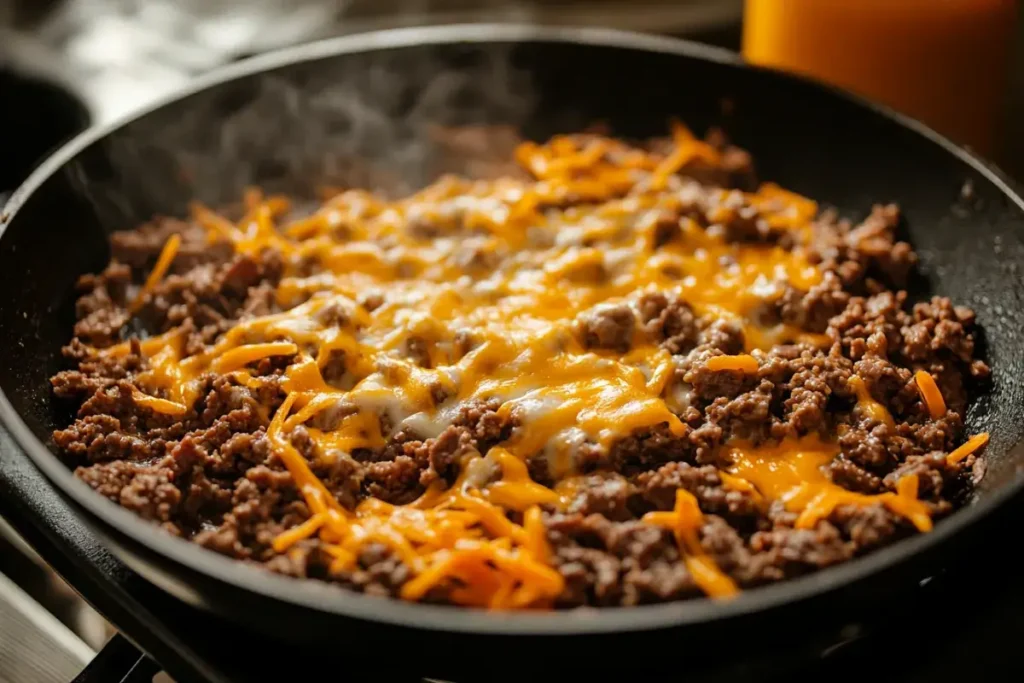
608,327
210,463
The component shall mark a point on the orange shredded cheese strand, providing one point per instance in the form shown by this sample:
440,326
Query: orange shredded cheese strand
163,262
287,539
686,150
515,490
741,363
421,584
930,394
685,521
217,227
969,447
905,503
343,559
492,518
243,355
480,561
536,534
159,405
253,199
683,153
316,494
867,405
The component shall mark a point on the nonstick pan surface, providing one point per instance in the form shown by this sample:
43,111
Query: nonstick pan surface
299,118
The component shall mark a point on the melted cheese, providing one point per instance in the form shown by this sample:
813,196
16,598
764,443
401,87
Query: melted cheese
868,406
743,363
793,472
486,285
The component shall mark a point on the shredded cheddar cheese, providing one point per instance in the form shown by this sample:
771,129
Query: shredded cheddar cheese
487,280
536,534
687,149
163,262
792,472
970,446
243,355
685,521
930,394
296,534
742,363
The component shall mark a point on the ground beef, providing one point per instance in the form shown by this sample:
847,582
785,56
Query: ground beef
668,321
101,309
211,474
658,489
394,481
784,552
447,452
866,257
604,494
608,327
96,438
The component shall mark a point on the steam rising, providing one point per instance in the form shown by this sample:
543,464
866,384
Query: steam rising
375,120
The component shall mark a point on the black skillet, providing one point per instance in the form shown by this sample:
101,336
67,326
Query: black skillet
295,119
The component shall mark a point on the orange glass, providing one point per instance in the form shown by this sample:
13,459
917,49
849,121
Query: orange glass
944,62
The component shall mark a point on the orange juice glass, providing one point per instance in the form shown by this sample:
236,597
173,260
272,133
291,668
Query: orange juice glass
944,62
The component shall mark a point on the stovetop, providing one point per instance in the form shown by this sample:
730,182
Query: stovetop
963,623
119,55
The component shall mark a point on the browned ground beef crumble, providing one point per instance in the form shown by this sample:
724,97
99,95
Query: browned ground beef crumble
211,477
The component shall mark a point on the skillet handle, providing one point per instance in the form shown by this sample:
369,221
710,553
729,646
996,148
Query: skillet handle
119,662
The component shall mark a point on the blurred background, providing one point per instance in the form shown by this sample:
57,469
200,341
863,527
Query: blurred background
953,63
67,64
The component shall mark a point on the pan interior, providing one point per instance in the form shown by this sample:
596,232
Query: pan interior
378,119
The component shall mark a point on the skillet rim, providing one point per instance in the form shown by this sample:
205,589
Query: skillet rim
332,601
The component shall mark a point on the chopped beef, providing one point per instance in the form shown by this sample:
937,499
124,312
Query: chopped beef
608,327
214,474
